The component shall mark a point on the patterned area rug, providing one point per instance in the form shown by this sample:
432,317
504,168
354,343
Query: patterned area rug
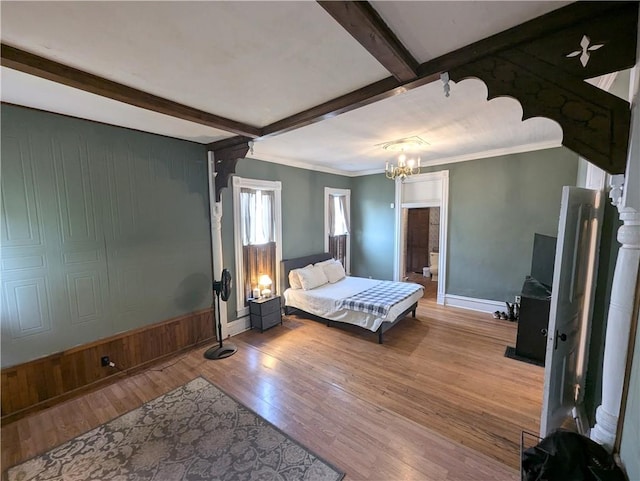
195,432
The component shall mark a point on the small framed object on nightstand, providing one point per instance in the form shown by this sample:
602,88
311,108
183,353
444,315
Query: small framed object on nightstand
265,312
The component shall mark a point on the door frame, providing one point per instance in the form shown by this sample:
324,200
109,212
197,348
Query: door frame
435,196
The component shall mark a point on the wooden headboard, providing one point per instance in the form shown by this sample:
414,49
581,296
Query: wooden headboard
287,265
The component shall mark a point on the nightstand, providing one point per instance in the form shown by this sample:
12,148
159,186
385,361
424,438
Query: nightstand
265,312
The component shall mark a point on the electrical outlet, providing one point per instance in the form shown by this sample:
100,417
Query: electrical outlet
104,361
518,299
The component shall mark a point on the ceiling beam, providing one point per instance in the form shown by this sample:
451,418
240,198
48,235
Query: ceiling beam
31,64
367,27
358,98
538,27
430,71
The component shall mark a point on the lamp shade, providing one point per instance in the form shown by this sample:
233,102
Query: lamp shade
264,280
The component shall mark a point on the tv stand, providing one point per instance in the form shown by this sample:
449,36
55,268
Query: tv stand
535,304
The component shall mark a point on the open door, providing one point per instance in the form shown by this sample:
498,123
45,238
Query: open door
417,256
571,306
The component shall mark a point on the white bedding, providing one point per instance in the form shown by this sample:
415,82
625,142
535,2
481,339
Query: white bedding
321,301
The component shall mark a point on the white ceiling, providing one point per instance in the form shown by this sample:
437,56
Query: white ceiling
259,62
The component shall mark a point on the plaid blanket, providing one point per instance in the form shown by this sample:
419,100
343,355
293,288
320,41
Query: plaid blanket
379,298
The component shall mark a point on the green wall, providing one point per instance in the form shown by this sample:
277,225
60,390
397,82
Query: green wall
104,230
496,205
302,210
373,227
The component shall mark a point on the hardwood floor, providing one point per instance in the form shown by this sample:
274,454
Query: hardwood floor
437,401
430,287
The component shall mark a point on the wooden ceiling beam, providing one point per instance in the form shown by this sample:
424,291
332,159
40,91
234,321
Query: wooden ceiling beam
365,25
31,64
430,71
536,28
358,98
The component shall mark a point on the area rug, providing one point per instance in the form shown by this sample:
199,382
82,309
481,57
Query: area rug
195,432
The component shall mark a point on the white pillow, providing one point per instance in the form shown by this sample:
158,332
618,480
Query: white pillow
312,277
294,278
334,272
324,263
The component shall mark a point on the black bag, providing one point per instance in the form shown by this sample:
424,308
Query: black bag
568,456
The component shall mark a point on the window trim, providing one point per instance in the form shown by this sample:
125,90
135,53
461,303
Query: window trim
347,193
275,186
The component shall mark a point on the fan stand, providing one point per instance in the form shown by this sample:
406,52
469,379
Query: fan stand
219,351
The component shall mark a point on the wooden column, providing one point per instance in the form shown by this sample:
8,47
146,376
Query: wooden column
618,320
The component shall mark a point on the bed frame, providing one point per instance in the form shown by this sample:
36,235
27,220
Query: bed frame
288,265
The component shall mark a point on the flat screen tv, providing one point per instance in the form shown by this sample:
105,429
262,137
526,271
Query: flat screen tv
543,259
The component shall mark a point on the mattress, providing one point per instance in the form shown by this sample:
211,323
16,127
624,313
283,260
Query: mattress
322,301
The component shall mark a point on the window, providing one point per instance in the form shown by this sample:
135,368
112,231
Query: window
337,213
257,215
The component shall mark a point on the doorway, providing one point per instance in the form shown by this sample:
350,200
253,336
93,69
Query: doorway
421,249
423,193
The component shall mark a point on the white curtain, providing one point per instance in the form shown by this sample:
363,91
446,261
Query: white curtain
258,219
338,216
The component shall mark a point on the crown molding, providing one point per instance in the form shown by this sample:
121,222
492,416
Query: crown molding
485,154
518,149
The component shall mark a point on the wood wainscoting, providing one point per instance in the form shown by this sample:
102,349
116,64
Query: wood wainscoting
52,379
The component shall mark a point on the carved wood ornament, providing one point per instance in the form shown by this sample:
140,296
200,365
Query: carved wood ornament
546,75
226,154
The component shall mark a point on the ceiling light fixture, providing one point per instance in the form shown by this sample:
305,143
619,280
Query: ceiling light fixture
406,166
404,169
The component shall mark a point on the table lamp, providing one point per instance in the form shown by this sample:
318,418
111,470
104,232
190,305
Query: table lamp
265,282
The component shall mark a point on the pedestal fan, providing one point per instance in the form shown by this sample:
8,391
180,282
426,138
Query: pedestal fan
222,290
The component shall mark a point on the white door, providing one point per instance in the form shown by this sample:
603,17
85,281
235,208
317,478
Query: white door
571,305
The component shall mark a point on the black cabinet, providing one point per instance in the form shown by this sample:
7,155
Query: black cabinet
535,304
265,313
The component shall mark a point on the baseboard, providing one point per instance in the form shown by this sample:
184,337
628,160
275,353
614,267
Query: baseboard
473,304
239,325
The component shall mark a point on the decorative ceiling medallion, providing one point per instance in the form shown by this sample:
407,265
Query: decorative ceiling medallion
408,144
584,52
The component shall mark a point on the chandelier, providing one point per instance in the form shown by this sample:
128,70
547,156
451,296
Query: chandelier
405,165
404,169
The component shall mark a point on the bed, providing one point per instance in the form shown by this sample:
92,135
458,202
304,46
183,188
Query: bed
350,300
